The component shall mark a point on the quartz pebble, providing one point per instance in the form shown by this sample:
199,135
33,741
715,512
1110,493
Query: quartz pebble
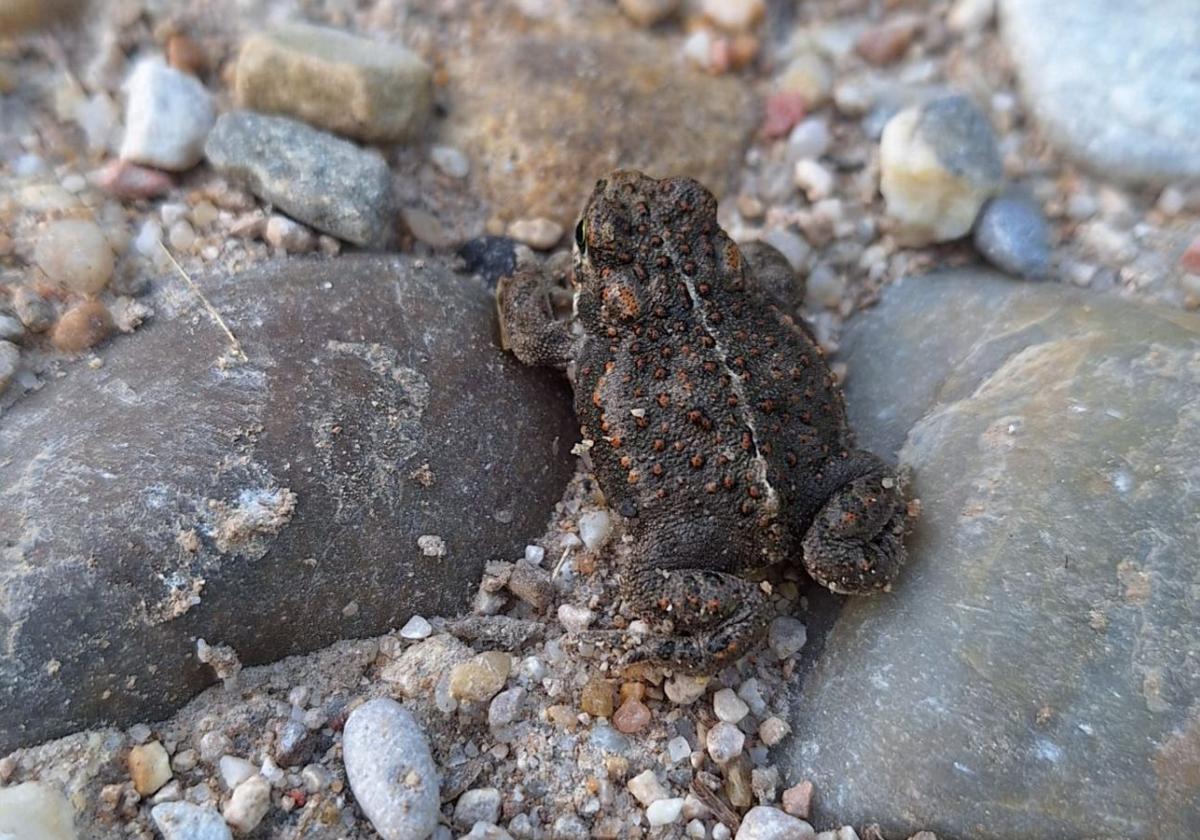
728,706
234,770
35,810
664,811
478,805
765,823
786,636
248,804
167,117
344,83
541,234
646,788
678,749
1012,234
816,181
316,178
647,12
416,628
391,771
478,679
633,716
574,618
810,138
450,161
82,326
939,163
725,742
288,235
734,15
595,527
75,254
186,821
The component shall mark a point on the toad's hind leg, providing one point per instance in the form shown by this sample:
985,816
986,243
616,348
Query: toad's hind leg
717,617
527,325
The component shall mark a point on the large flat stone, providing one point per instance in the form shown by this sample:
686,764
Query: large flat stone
1036,672
544,116
272,504
1116,83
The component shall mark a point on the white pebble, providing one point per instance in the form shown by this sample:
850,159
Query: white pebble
793,246
765,823
728,706
696,830
540,234
685,689
773,730
575,619
814,179
75,254
416,627
809,139
721,832
535,554
288,235
451,161
235,770
478,805
35,809
734,15
185,821
725,742
678,749
646,788
664,811
595,527
148,238
167,117
390,770
181,236
248,804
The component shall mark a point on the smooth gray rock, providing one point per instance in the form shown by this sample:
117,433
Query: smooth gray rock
314,177
1116,83
1012,234
273,505
391,771
1035,672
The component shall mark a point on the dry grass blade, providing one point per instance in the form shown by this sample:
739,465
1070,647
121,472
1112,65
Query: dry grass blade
235,345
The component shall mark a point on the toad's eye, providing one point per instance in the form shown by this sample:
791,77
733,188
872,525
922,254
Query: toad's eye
581,235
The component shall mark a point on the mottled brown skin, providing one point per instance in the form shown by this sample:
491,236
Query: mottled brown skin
717,429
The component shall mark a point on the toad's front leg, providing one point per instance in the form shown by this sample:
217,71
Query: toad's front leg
528,328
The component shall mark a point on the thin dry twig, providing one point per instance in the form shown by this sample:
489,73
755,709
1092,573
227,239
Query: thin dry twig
212,310
714,803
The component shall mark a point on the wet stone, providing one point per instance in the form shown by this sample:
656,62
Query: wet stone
317,178
1045,628
291,515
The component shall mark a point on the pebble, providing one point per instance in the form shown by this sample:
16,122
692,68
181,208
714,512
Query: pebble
1012,234
575,619
939,163
478,805
695,829
168,115
129,181
541,233
648,12
810,138
633,716
288,235
739,786
186,56
234,770
728,706
391,771
416,628
316,178
647,789
734,15
11,328
595,527
1191,257
450,161
765,823
532,584
486,831
479,678
846,832
797,800
149,767
793,246
970,16
181,236
786,636
185,821
315,778
82,326
33,310
685,689
664,811
784,109
344,83
826,286
809,75
597,698
678,749
773,730
248,804
721,832
75,254
816,181
752,695
725,742
505,707
569,827
10,360
887,42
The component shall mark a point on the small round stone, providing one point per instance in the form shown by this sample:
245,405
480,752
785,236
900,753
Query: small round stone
597,698
288,235
797,800
416,628
809,139
765,823
786,636
505,707
181,236
595,527
391,771
816,181
773,730
575,619
478,679
149,767
752,694
1012,234
450,161
477,805
633,716
685,689
185,821
678,749
541,234
647,12
74,253
725,742
234,770
248,804
734,15
646,788
664,811
84,325
728,706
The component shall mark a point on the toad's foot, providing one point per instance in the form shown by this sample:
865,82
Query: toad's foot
527,325
856,543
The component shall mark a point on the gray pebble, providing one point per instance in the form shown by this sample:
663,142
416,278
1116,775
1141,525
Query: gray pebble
1011,233
478,805
185,821
10,357
786,636
33,310
10,328
319,179
391,771
764,823
569,827
505,707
